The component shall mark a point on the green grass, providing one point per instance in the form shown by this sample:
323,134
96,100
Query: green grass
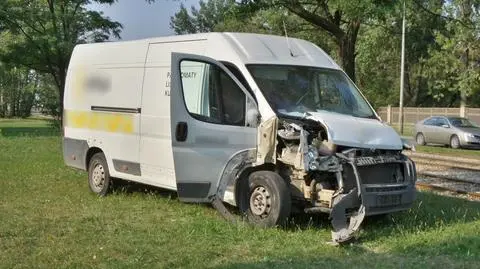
26,127
49,219
408,129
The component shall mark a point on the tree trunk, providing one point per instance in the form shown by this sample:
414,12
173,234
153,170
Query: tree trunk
346,51
2,107
463,94
347,57
59,77
61,91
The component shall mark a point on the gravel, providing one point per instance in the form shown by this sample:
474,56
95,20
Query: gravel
448,177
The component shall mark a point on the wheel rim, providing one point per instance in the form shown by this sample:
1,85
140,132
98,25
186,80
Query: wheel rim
98,177
455,142
420,139
260,202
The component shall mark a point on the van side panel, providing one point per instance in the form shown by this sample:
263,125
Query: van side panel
103,104
156,156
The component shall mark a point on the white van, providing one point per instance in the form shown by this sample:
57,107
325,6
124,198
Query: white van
266,123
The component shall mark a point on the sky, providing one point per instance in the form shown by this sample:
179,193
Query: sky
142,20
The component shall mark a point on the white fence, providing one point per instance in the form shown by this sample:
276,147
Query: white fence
411,115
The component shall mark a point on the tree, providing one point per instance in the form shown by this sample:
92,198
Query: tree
18,87
454,69
341,19
204,19
378,55
47,32
46,98
230,16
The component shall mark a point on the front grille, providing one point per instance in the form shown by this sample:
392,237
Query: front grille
385,189
385,173
373,160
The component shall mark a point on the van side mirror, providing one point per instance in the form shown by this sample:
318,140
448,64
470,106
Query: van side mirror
445,126
253,117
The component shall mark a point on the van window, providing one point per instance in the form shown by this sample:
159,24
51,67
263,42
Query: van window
295,90
236,72
211,95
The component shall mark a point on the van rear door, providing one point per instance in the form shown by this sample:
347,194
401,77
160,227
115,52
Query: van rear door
208,122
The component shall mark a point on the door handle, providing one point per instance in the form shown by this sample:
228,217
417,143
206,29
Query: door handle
181,131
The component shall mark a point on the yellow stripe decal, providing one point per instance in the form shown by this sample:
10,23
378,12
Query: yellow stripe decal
101,121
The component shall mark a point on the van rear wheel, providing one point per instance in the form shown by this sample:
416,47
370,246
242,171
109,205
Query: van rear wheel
266,199
99,179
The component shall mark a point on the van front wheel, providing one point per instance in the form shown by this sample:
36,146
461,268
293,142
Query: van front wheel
266,200
99,179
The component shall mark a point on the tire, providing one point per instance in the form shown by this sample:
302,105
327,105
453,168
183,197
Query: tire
99,179
265,199
420,139
454,142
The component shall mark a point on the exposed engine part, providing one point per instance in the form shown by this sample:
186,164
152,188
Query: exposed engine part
322,193
340,183
289,155
291,132
318,172
347,183
327,164
328,178
324,147
325,197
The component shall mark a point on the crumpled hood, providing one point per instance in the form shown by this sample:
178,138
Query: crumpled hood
352,131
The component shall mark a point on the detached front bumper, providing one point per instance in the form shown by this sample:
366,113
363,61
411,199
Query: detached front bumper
367,199
389,198
383,199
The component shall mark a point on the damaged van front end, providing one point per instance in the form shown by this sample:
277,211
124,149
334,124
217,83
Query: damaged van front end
344,166
325,150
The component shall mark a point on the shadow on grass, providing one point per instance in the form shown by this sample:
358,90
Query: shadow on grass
406,236
129,187
28,131
430,211
301,221
440,254
423,237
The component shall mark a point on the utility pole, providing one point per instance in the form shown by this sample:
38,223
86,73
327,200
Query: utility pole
402,73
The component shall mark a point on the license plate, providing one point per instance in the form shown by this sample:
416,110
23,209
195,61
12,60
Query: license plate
389,200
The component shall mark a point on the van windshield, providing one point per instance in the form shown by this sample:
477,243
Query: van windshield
294,90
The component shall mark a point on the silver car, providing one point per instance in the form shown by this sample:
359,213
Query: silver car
453,131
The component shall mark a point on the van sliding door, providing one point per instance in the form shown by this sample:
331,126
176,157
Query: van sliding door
208,123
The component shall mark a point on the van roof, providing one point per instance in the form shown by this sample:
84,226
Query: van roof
246,47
